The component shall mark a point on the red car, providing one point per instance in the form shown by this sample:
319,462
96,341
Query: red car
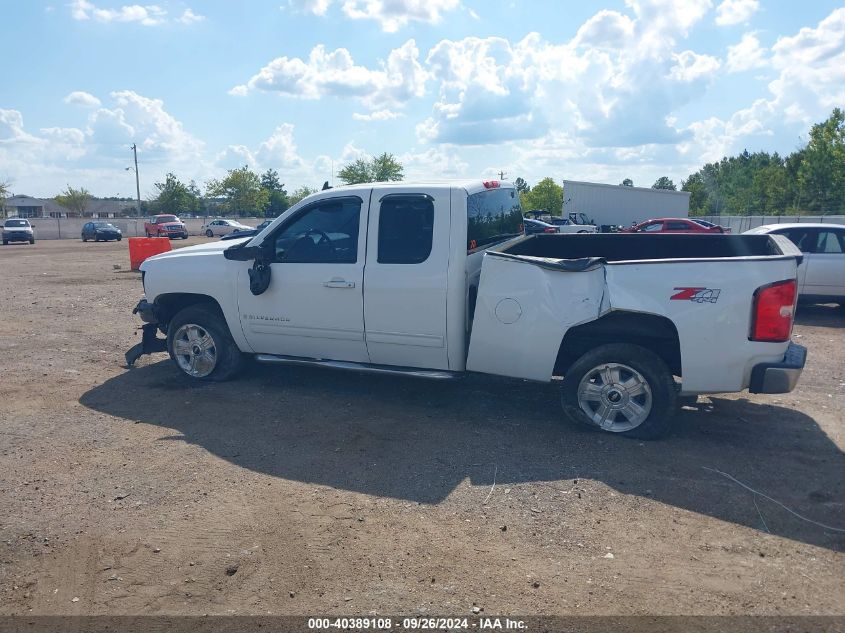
676,225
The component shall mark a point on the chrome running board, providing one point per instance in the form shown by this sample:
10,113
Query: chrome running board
431,374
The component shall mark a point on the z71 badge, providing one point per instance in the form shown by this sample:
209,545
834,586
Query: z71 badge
699,295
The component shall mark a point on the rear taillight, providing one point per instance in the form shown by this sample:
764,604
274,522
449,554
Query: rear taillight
774,308
549,229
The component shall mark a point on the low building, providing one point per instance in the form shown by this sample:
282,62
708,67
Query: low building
23,206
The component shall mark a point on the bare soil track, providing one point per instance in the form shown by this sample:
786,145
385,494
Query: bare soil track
298,491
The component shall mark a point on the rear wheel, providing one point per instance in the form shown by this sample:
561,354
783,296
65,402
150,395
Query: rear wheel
621,388
200,344
32,240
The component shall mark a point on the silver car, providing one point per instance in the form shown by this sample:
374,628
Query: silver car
216,228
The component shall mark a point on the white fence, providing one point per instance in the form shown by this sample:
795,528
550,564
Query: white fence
741,223
71,228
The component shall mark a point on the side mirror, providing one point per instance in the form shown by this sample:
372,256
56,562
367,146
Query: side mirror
241,253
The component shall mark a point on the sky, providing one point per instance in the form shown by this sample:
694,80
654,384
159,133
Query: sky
597,91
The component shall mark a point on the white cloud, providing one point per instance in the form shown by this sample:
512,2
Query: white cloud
390,14
746,54
731,12
189,17
147,15
378,115
812,69
81,98
335,74
691,66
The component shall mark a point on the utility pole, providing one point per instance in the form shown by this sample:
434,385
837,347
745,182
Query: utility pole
137,179
501,175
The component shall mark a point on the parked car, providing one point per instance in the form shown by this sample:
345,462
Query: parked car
223,227
165,226
565,225
432,280
18,230
100,231
821,275
538,226
264,225
675,225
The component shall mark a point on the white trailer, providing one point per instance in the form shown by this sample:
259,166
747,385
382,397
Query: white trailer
617,204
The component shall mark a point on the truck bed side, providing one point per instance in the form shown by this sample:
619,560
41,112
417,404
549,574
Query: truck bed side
528,307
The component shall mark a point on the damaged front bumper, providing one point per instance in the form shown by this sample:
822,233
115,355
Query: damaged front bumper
150,343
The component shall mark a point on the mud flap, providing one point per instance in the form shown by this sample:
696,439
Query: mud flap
149,344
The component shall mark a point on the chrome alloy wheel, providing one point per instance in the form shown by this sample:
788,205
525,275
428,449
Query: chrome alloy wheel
615,397
194,350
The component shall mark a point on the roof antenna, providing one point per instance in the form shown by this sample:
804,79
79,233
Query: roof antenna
326,185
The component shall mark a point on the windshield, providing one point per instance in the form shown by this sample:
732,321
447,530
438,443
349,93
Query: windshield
166,218
704,223
11,223
492,216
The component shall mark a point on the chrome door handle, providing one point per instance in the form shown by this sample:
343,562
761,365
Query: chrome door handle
338,283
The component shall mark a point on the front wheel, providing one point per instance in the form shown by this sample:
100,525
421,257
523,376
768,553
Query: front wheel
200,344
32,241
621,388
208,233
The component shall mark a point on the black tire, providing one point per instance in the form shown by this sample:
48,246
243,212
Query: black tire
120,238
5,242
84,239
229,359
32,241
184,237
651,368
208,233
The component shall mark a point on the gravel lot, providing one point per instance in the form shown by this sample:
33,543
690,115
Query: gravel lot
298,491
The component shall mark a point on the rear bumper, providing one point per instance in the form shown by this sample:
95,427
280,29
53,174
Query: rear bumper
779,377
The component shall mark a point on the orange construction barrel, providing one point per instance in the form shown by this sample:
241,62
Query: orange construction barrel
142,247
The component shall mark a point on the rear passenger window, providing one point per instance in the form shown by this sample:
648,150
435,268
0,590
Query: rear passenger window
492,216
405,229
677,226
829,242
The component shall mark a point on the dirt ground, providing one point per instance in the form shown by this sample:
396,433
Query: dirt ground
300,491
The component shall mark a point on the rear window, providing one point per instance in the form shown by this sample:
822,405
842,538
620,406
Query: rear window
493,216
13,223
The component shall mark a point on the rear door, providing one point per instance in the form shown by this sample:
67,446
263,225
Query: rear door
406,277
826,264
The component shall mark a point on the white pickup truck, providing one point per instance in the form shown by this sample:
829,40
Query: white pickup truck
435,279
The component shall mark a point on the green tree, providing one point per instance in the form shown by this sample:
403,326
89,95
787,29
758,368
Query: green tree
242,192
698,194
5,187
175,197
627,183
546,196
821,175
74,200
298,194
521,186
278,198
664,182
382,168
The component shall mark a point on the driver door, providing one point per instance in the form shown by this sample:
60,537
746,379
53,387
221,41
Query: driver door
314,306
